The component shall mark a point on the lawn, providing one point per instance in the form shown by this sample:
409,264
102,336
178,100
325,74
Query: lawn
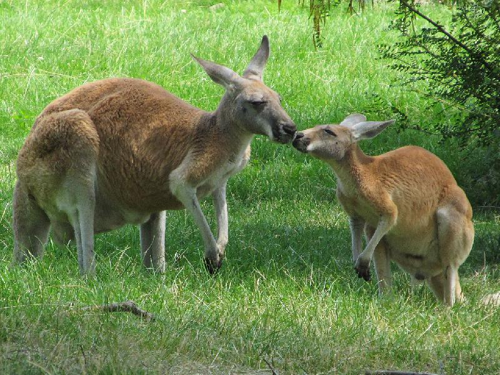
287,297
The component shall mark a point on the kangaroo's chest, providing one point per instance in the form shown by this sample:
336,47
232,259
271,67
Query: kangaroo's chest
221,174
356,203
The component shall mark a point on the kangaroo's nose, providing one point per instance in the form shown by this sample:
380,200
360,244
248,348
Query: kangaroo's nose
290,128
299,135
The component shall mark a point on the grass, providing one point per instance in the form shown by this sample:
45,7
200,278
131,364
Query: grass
287,293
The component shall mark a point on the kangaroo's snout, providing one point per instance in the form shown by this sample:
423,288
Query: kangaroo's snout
285,132
299,135
290,128
300,142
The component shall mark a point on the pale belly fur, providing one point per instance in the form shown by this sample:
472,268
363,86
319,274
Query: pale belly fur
418,254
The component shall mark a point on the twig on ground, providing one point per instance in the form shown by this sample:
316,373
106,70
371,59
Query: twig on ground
127,306
273,370
84,356
389,372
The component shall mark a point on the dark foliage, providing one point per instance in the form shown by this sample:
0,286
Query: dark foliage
461,65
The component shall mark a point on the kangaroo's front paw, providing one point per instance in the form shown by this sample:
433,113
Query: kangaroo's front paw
363,269
221,248
213,266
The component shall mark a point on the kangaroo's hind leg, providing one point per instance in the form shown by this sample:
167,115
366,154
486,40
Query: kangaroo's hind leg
59,163
79,204
77,193
437,285
455,237
31,226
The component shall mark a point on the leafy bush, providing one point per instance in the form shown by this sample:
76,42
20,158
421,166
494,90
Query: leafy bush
461,65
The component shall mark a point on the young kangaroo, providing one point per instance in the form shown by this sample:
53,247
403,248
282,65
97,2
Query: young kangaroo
406,201
122,151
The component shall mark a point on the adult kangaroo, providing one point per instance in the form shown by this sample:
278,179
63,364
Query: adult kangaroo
123,151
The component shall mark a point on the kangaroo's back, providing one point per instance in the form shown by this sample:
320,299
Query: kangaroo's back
129,114
417,180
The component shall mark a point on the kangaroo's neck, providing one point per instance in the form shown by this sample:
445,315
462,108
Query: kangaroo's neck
226,127
351,168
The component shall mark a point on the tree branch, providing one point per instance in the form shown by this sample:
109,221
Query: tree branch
449,36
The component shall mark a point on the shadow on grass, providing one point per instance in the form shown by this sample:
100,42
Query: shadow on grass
301,248
294,247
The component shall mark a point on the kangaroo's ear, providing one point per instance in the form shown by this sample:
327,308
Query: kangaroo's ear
369,129
353,119
219,73
256,67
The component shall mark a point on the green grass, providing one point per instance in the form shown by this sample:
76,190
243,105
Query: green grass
287,293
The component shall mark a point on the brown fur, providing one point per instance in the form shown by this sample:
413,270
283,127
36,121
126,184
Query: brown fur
121,151
409,195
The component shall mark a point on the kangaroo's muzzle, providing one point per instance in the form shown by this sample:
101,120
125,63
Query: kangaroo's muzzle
300,142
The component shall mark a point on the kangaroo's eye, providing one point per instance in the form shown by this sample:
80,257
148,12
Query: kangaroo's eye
328,131
258,103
